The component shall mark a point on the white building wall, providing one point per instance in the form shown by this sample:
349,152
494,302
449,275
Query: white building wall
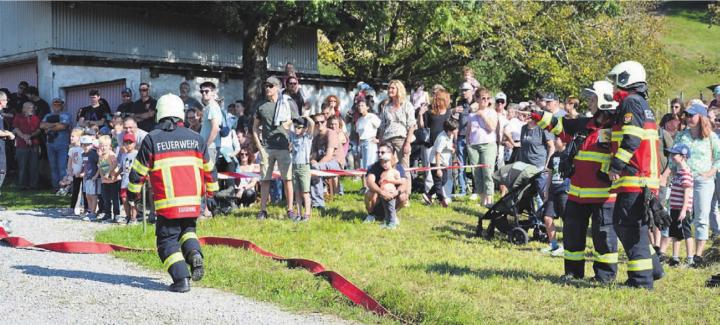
62,76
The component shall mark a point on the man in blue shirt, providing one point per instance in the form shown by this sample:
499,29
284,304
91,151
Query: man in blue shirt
56,126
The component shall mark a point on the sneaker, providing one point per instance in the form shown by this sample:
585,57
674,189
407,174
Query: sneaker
427,199
390,226
105,218
369,219
291,215
547,249
262,215
696,262
473,197
444,203
558,252
120,219
363,190
90,217
673,262
662,258
303,219
132,222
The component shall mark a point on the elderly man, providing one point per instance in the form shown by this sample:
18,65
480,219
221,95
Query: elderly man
380,202
130,126
56,126
272,141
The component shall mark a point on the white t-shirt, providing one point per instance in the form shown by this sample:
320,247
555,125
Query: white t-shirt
443,144
515,126
367,126
76,160
126,161
479,134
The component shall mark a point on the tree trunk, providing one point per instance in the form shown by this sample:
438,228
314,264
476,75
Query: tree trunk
254,62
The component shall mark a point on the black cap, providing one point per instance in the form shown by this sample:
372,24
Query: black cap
300,121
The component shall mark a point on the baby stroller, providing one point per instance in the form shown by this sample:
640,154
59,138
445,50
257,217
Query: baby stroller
505,214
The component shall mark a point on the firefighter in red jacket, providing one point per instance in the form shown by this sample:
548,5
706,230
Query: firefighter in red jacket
589,195
175,160
634,166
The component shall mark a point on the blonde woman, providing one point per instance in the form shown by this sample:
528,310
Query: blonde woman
397,122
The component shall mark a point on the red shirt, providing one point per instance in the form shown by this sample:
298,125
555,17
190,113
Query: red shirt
26,125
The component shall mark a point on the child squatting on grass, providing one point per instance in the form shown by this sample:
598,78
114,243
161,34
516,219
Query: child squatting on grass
681,202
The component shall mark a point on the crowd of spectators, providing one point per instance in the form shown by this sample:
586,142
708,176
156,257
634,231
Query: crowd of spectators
286,135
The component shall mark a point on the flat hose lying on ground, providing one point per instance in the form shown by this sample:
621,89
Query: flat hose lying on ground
337,281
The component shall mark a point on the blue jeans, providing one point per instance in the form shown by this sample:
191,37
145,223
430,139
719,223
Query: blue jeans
368,153
27,160
58,157
714,213
317,187
703,190
460,153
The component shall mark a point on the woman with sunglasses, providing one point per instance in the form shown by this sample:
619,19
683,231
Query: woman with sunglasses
704,163
481,145
246,193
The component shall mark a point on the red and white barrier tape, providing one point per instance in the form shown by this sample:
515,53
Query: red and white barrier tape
337,172
337,281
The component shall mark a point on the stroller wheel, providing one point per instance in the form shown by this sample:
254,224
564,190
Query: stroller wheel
540,233
518,236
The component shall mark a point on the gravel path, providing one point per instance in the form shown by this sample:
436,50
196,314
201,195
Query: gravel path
44,287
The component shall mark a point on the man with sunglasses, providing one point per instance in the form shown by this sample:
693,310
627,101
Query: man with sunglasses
378,202
144,110
272,141
295,92
125,107
324,155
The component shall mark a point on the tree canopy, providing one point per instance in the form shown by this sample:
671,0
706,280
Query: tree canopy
517,46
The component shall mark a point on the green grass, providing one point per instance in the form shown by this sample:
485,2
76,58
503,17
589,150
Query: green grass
430,270
14,199
688,41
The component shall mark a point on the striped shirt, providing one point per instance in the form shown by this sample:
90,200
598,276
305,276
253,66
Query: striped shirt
681,180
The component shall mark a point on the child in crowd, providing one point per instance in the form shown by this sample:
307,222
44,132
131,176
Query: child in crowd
109,174
557,196
91,181
301,140
681,197
440,156
126,160
75,168
390,180
117,128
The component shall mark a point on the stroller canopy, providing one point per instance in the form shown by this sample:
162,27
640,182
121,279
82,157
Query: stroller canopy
515,175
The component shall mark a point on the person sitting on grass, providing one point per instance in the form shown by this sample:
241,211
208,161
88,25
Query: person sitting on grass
378,201
681,202
301,139
246,193
441,155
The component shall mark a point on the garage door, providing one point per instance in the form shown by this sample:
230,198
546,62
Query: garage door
77,97
11,75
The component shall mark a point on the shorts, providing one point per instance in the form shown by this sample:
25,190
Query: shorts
301,178
123,194
680,230
92,186
268,157
555,204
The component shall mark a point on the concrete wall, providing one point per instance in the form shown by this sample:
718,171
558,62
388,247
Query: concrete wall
231,90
